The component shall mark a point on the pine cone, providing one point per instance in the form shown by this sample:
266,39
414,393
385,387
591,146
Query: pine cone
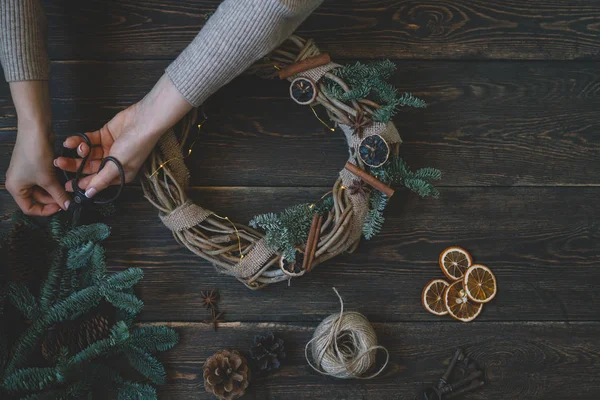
226,375
78,334
268,351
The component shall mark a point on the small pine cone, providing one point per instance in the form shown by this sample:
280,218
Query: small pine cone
226,375
76,335
268,351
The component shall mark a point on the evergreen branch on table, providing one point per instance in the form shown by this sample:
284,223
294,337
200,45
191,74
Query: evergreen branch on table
83,234
20,296
32,379
289,229
152,339
124,279
80,256
146,364
125,301
77,283
136,391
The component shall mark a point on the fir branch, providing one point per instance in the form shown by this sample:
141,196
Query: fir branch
370,81
123,301
124,279
79,257
49,291
136,391
23,300
70,292
395,172
152,339
289,229
32,379
146,365
97,269
87,233
375,219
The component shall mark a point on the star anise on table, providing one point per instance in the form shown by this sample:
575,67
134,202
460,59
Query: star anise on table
358,187
214,319
359,123
210,298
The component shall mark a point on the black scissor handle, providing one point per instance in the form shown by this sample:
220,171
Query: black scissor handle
121,177
79,196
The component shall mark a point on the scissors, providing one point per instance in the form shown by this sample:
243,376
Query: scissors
80,200
445,390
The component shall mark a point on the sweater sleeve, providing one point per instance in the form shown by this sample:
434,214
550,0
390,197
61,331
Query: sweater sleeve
238,34
23,40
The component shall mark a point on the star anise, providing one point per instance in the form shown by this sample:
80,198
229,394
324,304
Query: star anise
358,187
210,298
214,319
359,123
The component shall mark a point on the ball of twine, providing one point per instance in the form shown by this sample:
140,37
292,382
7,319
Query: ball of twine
344,346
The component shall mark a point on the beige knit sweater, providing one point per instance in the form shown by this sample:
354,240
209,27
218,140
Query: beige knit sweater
239,33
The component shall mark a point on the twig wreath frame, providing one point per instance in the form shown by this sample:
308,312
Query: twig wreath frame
306,235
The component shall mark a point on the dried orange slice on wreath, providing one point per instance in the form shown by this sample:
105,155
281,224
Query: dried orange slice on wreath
433,297
459,305
480,283
454,262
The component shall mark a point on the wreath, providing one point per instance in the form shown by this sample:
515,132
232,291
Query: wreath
277,247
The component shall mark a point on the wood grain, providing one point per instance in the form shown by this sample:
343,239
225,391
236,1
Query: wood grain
407,29
521,360
542,244
487,124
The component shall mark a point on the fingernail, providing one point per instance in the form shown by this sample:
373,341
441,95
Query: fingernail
67,204
65,143
80,148
55,162
91,192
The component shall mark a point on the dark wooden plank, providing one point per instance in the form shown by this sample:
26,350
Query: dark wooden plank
521,360
460,29
542,243
514,123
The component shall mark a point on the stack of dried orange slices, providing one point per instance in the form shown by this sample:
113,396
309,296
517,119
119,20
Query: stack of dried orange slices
472,285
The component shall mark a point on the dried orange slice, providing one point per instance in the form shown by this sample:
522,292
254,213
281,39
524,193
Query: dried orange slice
433,297
459,306
480,283
454,262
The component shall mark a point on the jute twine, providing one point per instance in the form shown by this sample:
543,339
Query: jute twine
344,346
236,249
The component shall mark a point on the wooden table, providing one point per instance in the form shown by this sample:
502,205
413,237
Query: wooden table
513,122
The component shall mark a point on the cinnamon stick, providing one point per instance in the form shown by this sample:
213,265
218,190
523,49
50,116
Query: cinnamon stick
369,179
313,250
304,65
310,241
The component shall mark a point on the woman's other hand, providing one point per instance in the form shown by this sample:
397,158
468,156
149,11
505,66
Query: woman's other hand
31,178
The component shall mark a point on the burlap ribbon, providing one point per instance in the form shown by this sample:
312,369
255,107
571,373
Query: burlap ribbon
184,217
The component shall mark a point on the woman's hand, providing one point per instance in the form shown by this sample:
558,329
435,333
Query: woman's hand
129,137
31,177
